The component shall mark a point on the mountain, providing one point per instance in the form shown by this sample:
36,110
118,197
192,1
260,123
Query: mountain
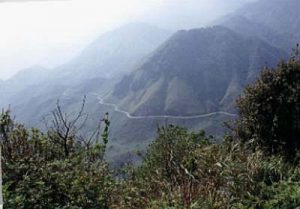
274,21
200,71
102,62
114,53
195,72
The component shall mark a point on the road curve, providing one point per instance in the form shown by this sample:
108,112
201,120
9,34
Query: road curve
128,115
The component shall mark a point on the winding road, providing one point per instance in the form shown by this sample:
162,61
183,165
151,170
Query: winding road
128,115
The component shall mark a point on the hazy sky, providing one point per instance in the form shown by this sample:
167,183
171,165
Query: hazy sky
51,32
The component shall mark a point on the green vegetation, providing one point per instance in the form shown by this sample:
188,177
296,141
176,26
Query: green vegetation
53,170
270,110
184,170
181,169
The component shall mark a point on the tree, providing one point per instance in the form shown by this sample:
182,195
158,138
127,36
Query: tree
269,110
67,130
6,124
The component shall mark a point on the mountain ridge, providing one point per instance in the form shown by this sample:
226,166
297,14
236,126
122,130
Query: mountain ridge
170,76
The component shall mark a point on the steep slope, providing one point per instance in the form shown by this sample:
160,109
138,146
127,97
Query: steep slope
194,72
274,21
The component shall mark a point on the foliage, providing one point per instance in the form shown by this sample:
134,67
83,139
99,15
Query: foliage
283,195
185,170
270,110
37,173
181,169
167,166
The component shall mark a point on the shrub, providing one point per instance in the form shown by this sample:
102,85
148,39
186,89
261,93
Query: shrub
270,110
38,174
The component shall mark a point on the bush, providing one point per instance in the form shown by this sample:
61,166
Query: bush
270,110
186,170
37,173
181,169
